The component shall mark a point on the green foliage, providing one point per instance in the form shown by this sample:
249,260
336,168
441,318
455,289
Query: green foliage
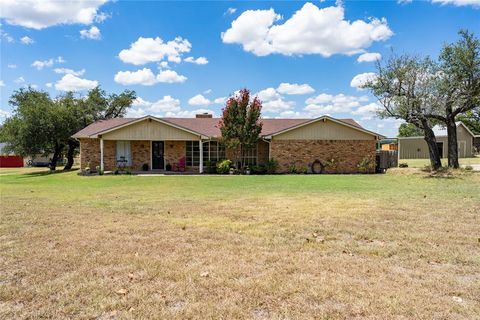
292,169
223,167
468,168
34,128
403,165
240,124
409,130
472,120
40,124
332,164
259,169
271,166
366,165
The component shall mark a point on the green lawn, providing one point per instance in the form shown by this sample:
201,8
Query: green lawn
400,245
420,163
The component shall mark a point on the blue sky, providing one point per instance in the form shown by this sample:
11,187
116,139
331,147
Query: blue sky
304,59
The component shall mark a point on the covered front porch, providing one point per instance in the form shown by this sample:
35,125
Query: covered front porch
157,156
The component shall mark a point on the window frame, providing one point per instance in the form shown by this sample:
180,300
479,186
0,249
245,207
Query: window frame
192,156
126,152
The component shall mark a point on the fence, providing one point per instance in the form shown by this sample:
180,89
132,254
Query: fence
386,159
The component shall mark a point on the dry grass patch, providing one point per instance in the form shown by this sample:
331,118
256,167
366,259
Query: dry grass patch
271,247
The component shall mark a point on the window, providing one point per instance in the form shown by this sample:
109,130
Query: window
124,155
192,153
213,151
250,157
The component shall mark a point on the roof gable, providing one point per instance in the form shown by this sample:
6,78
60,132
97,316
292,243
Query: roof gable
351,125
207,127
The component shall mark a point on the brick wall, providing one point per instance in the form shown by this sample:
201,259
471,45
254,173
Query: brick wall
174,151
262,152
140,154
90,153
347,153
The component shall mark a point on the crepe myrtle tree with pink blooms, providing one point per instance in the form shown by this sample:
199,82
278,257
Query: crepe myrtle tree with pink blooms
241,125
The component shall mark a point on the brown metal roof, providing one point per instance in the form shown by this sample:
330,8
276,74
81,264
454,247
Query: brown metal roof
205,126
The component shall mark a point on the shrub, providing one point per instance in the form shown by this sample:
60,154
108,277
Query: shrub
223,167
259,169
403,165
168,167
366,165
302,169
271,166
293,169
468,168
145,167
332,164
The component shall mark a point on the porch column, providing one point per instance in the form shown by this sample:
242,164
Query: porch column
200,169
101,154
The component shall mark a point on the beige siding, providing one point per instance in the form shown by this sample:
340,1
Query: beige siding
149,130
416,148
464,135
324,130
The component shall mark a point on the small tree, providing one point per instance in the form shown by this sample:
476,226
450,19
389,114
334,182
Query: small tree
405,87
240,125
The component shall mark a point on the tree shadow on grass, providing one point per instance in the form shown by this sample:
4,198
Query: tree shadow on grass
45,172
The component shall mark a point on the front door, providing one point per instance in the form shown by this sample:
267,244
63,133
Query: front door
157,155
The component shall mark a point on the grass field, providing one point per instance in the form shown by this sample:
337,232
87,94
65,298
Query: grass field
420,163
402,245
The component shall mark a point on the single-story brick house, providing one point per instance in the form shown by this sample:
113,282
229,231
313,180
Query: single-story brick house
158,142
416,147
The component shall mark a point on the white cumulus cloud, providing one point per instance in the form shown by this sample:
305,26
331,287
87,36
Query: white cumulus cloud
369,57
327,103
458,3
92,33
170,76
199,100
26,40
78,73
19,80
40,64
199,60
39,14
144,77
146,50
310,30
362,79
69,82
368,111
268,94
2,84
294,88
220,100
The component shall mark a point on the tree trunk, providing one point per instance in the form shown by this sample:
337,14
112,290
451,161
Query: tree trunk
72,146
56,155
452,143
432,147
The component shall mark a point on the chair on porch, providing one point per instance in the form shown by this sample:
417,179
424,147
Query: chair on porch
180,165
